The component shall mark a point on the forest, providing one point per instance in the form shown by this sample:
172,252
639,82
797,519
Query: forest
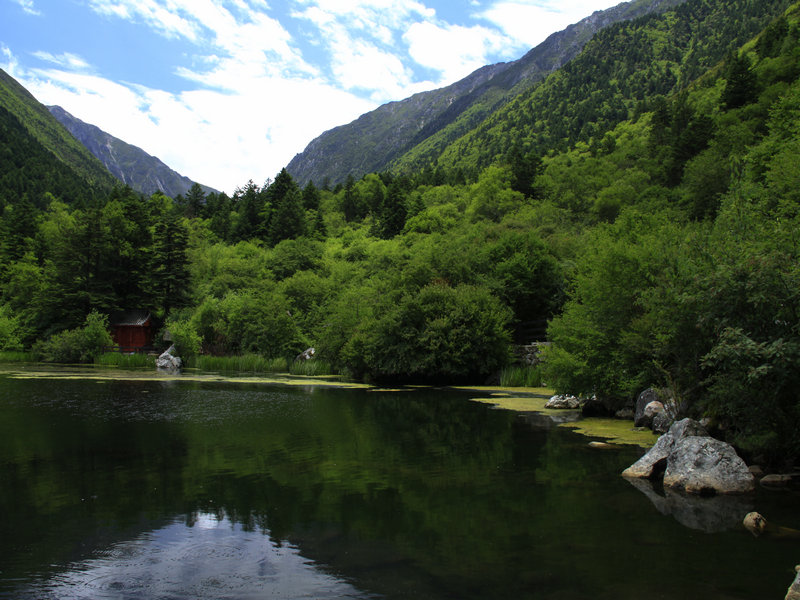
655,246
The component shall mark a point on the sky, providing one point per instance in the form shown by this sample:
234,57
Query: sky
227,91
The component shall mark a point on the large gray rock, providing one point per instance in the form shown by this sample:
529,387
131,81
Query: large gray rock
306,354
794,589
167,361
654,462
662,422
645,398
563,402
700,465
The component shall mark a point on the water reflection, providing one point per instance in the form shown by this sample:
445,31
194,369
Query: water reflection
211,558
709,514
420,495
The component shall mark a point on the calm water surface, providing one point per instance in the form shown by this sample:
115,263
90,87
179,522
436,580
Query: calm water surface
162,489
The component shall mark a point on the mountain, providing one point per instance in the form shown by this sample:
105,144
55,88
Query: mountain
375,140
621,70
130,164
30,174
50,134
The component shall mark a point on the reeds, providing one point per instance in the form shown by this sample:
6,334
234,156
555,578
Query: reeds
16,357
311,368
246,363
125,361
519,376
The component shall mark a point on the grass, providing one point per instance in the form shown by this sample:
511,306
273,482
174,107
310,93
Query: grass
246,363
517,376
310,368
119,359
13,357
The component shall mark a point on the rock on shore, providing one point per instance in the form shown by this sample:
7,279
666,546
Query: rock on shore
694,462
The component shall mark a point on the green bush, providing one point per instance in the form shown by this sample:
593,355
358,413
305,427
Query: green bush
80,345
184,337
10,331
439,333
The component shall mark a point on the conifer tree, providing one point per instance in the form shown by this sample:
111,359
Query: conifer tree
288,220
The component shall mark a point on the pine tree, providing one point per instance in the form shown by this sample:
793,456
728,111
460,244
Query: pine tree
169,273
392,217
288,220
740,87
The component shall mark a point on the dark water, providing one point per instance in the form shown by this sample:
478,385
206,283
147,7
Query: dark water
134,489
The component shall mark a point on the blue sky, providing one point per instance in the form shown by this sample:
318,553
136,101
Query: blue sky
225,91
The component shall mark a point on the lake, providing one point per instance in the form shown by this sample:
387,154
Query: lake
200,488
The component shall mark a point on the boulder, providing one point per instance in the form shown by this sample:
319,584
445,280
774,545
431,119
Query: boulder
662,422
755,523
306,354
651,411
644,399
167,361
704,465
654,462
794,589
563,402
601,445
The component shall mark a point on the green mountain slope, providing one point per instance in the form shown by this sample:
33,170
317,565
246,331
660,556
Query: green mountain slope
619,69
31,173
376,139
51,134
130,164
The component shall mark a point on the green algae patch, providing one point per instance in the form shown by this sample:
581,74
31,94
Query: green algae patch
102,374
518,403
614,431
497,390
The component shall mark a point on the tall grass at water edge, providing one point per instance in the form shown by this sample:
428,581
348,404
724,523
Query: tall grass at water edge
246,363
311,368
16,357
521,376
122,360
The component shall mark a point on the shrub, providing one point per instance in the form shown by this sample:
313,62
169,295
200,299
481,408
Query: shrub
184,337
80,345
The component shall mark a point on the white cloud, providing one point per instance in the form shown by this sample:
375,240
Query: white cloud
170,21
10,63
529,22
28,7
66,60
453,50
251,99
220,139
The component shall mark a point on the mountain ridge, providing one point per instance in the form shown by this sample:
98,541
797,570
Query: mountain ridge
54,137
377,139
130,164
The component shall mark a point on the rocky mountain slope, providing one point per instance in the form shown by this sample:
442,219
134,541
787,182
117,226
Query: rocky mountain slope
129,164
377,139
48,132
